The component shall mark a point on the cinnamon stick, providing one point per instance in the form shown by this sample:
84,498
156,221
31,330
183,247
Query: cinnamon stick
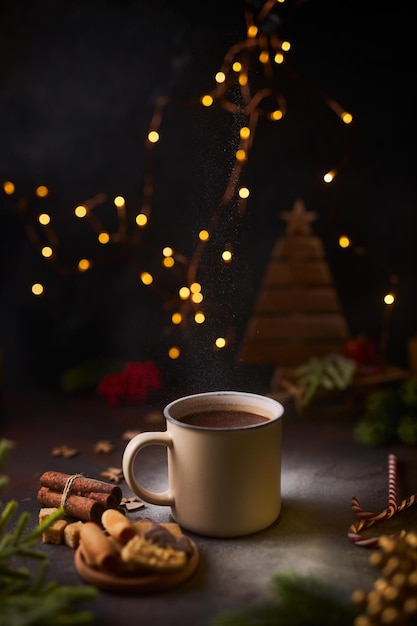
83,508
81,486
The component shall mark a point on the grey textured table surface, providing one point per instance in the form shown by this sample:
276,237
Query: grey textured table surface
322,469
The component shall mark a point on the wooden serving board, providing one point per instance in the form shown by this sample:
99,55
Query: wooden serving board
137,584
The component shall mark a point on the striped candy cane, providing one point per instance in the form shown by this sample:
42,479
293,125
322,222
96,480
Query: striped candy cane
369,519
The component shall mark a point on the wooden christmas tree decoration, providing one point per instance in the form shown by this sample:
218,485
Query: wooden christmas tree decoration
297,314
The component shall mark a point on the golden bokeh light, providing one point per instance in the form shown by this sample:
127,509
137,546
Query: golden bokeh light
84,265
220,342
199,317
176,318
206,100
184,293
42,191
141,219
37,289
204,235
153,136
8,187
103,237
44,219
276,115
174,352
47,252
119,201
168,261
80,211
197,298
344,241
329,176
146,278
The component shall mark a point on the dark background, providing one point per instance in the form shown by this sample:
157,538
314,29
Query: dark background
78,85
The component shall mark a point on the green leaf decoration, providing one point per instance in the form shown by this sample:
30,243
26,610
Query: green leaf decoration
332,371
25,598
87,375
296,600
390,416
407,429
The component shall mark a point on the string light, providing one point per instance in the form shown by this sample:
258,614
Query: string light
80,211
174,352
197,298
146,278
344,242
206,100
176,318
119,201
84,265
47,252
199,317
37,289
103,237
141,220
329,176
153,136
42,191
184,293
204,235
236,70
8,188
44,219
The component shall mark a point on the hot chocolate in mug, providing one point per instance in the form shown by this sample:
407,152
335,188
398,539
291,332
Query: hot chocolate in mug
223,462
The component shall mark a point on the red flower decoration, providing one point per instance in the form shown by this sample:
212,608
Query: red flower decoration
132,385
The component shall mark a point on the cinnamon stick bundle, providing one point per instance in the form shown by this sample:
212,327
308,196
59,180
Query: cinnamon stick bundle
86,487
81,507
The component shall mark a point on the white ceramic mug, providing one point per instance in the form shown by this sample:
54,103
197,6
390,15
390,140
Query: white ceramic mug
223,480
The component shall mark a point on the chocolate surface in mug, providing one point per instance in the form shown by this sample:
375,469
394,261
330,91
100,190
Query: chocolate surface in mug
222,418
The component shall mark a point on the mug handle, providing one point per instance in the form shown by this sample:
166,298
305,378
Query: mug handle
134,446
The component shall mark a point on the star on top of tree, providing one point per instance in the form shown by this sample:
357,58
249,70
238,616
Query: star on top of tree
298,220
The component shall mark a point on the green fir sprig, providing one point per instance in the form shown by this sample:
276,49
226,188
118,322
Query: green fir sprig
295,600
26,599
390,416
332,371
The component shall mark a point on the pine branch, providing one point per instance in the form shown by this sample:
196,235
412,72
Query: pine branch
295,601
332,371
25,598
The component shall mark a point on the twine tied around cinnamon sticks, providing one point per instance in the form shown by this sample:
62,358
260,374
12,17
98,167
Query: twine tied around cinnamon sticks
369,519
80,497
